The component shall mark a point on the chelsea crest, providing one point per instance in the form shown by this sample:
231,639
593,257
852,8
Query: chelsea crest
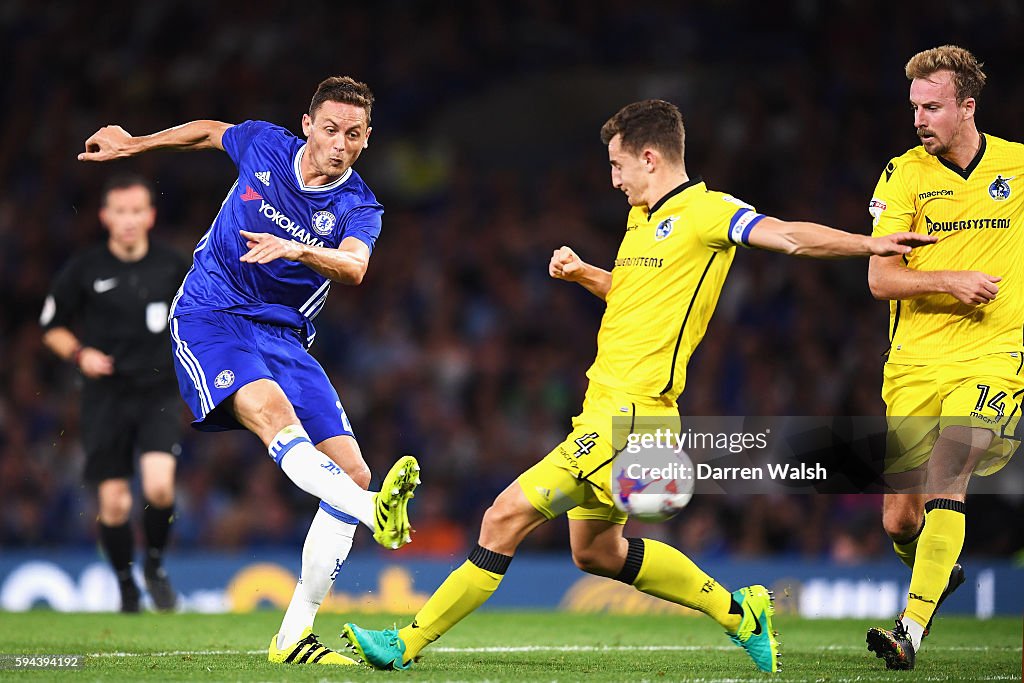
323,222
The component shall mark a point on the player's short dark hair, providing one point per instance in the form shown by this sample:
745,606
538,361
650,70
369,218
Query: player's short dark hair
650,123
342,89
125,181
968,78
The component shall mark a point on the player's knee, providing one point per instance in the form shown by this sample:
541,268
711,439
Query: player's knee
161,495
902,524
263,410
360,474
595,561
115,502
502,529
496,518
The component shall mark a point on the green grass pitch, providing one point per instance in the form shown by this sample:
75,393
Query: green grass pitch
501,646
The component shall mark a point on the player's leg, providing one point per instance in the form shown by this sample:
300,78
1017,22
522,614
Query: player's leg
106,438
913,405
954,457
225,380
975,406
318,408
158,436
326,548
114,499
262,408
506,523
156,469
957,453
543,492
903,520
598,547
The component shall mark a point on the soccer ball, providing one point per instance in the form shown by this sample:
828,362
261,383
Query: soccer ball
652,490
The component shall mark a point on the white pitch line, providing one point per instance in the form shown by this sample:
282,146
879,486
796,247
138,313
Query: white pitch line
565,648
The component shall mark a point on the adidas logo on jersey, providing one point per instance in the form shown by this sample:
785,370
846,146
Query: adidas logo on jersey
263,177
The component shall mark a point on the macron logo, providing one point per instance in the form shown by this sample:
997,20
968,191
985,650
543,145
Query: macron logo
250,194
263,177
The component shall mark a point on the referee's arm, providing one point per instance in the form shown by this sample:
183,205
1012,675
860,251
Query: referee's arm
92,362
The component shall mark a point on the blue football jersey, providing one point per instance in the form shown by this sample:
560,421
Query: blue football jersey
270,196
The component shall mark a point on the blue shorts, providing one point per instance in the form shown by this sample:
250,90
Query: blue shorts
217,353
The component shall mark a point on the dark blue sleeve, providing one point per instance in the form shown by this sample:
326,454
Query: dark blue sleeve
363,223
238,138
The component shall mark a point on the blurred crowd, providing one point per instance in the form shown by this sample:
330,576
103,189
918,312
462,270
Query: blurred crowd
457,347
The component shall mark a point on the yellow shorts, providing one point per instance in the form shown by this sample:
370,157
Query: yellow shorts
921,400
575,477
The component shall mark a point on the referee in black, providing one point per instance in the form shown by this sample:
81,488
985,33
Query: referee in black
116,297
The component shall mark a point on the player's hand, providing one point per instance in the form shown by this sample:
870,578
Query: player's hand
109,142
566,265
94,363
972,287
264,248
900,243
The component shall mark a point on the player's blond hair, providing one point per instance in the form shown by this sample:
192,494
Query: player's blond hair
968,78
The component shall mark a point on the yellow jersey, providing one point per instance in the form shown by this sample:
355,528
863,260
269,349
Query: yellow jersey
978,215
667,276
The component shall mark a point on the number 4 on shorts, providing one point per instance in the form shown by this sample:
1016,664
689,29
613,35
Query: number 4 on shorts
586,443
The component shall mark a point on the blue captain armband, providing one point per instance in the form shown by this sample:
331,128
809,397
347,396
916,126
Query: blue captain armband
742,222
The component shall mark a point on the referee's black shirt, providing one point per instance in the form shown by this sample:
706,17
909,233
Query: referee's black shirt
120,308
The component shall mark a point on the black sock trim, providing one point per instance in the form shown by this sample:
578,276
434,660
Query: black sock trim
490,561
634,560
917,535
945,504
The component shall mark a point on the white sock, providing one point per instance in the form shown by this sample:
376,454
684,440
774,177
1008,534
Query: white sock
316,474
327,545
915,631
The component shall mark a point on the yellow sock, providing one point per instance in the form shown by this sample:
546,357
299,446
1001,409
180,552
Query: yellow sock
938,548
664,572
462,592
907,551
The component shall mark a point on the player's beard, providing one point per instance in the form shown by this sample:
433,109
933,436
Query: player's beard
938,147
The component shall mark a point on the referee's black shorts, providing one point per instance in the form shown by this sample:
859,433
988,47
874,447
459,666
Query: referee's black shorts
118,421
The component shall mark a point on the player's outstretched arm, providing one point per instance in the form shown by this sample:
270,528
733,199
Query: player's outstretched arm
114,142
799,238
566,265
889,278
347,264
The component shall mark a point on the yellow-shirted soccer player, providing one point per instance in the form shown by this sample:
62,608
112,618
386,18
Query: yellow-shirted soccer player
679,243
952,383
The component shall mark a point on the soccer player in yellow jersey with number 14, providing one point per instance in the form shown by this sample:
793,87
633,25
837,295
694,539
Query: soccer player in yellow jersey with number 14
952,383
679,242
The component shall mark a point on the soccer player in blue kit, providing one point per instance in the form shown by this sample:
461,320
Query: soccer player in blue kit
297,219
